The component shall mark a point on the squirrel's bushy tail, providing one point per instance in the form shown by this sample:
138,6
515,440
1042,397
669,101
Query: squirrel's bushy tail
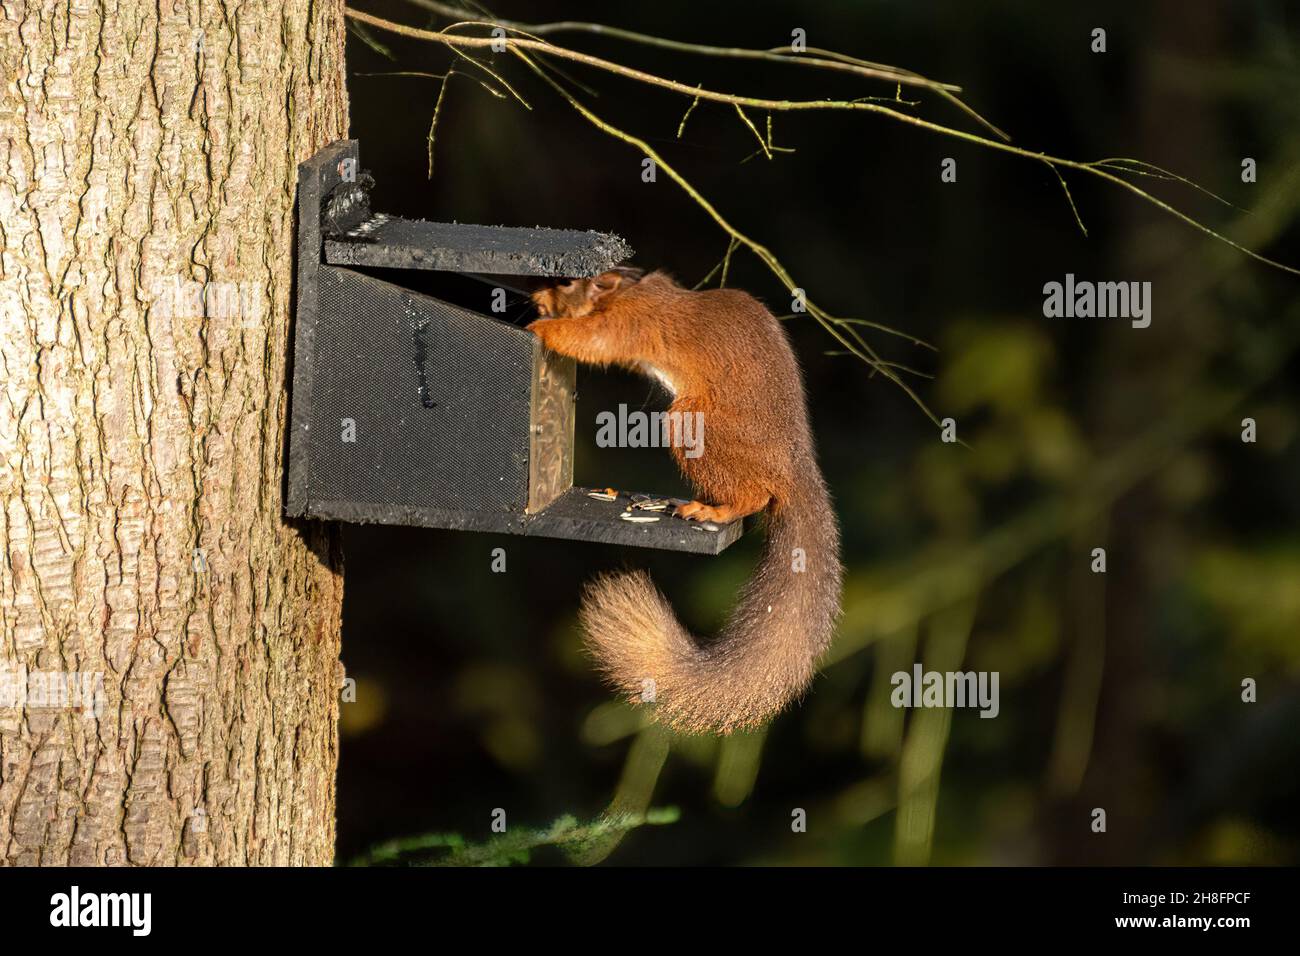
766,654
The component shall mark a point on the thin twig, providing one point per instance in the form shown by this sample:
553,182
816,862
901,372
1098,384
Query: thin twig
437,110
948,93
1124,164
754,129
681,127
1069,198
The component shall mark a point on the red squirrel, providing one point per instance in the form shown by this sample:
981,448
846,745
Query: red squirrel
719,352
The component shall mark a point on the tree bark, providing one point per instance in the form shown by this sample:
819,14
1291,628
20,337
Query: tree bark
148,158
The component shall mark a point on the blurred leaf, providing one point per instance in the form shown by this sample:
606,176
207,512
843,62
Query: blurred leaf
997,364
738,761
1256,596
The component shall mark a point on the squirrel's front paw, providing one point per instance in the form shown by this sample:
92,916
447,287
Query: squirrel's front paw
539,328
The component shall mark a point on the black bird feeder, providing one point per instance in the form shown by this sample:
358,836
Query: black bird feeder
410,409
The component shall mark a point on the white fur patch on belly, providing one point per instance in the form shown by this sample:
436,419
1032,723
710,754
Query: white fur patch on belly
659,376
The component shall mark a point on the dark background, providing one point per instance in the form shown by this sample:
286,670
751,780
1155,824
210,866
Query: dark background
1119,691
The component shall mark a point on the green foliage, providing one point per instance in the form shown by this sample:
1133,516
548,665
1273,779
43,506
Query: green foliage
515,846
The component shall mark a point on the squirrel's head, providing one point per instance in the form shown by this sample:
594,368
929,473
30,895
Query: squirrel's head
574,298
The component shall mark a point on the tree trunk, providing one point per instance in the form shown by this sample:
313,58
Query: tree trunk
148,158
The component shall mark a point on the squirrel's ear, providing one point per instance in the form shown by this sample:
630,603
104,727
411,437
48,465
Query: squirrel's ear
604,284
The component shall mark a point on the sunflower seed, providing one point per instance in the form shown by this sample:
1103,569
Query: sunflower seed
646,503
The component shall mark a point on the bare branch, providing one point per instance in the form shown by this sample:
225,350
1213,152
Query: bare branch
834,62
518,45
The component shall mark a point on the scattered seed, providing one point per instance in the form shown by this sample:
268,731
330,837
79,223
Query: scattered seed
646,503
